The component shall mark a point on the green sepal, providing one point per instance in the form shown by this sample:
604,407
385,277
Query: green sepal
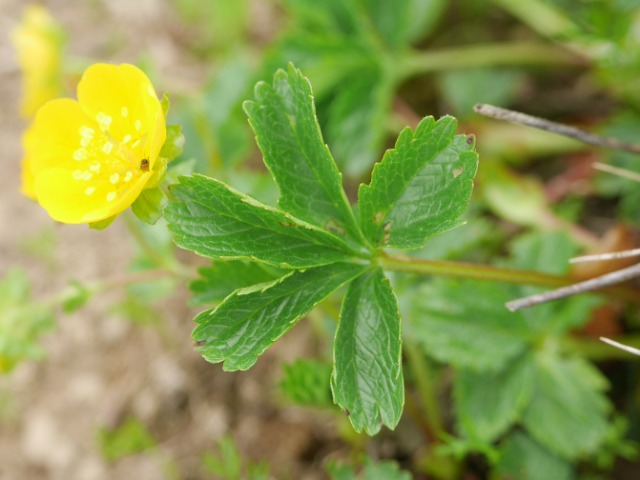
150,205
174,143
159,173
102,224
165,103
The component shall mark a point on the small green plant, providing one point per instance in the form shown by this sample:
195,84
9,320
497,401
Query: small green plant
228,464
130,438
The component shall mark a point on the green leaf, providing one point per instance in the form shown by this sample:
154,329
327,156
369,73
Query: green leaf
519,199
251,319
391,19
525,459
328,61
550,252
306,382
421,186
488,403
568,410
357,121
367,379
462,89
22,320
226,123
386,470
213,220
77,297
288,134
329,16
424,17
227,463
469,331
222,278
150,205
130,438
547,252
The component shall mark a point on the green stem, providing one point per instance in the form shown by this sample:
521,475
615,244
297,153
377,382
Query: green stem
469,270
101,286
485,55
487,272
423,378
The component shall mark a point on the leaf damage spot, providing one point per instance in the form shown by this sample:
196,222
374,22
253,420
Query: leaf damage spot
386,233
457,172
332,226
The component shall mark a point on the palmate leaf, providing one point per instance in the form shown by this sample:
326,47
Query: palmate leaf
470,331
524,459
306,382
420,187
568,409
487,404
367,380
288,134
251,319
213,220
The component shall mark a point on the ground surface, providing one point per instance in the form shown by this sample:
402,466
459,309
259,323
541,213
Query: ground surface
101,367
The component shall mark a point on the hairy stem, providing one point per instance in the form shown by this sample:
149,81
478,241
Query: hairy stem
418,266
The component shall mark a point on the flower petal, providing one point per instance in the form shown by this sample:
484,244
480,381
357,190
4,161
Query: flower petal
71,200
57,133
123,102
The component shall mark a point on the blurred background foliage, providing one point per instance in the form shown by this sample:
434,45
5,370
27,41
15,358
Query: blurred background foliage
489,394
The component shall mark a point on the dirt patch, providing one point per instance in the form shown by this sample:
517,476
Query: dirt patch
102,367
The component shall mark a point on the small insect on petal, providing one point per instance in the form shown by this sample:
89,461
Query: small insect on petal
89,158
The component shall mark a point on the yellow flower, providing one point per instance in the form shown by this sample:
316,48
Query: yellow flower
27,188
90,159
38,41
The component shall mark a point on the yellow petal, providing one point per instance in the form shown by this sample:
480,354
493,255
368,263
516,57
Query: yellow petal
69,200
26,175
122,101
57,131
38,41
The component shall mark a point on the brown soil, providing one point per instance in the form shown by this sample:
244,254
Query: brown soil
102,367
